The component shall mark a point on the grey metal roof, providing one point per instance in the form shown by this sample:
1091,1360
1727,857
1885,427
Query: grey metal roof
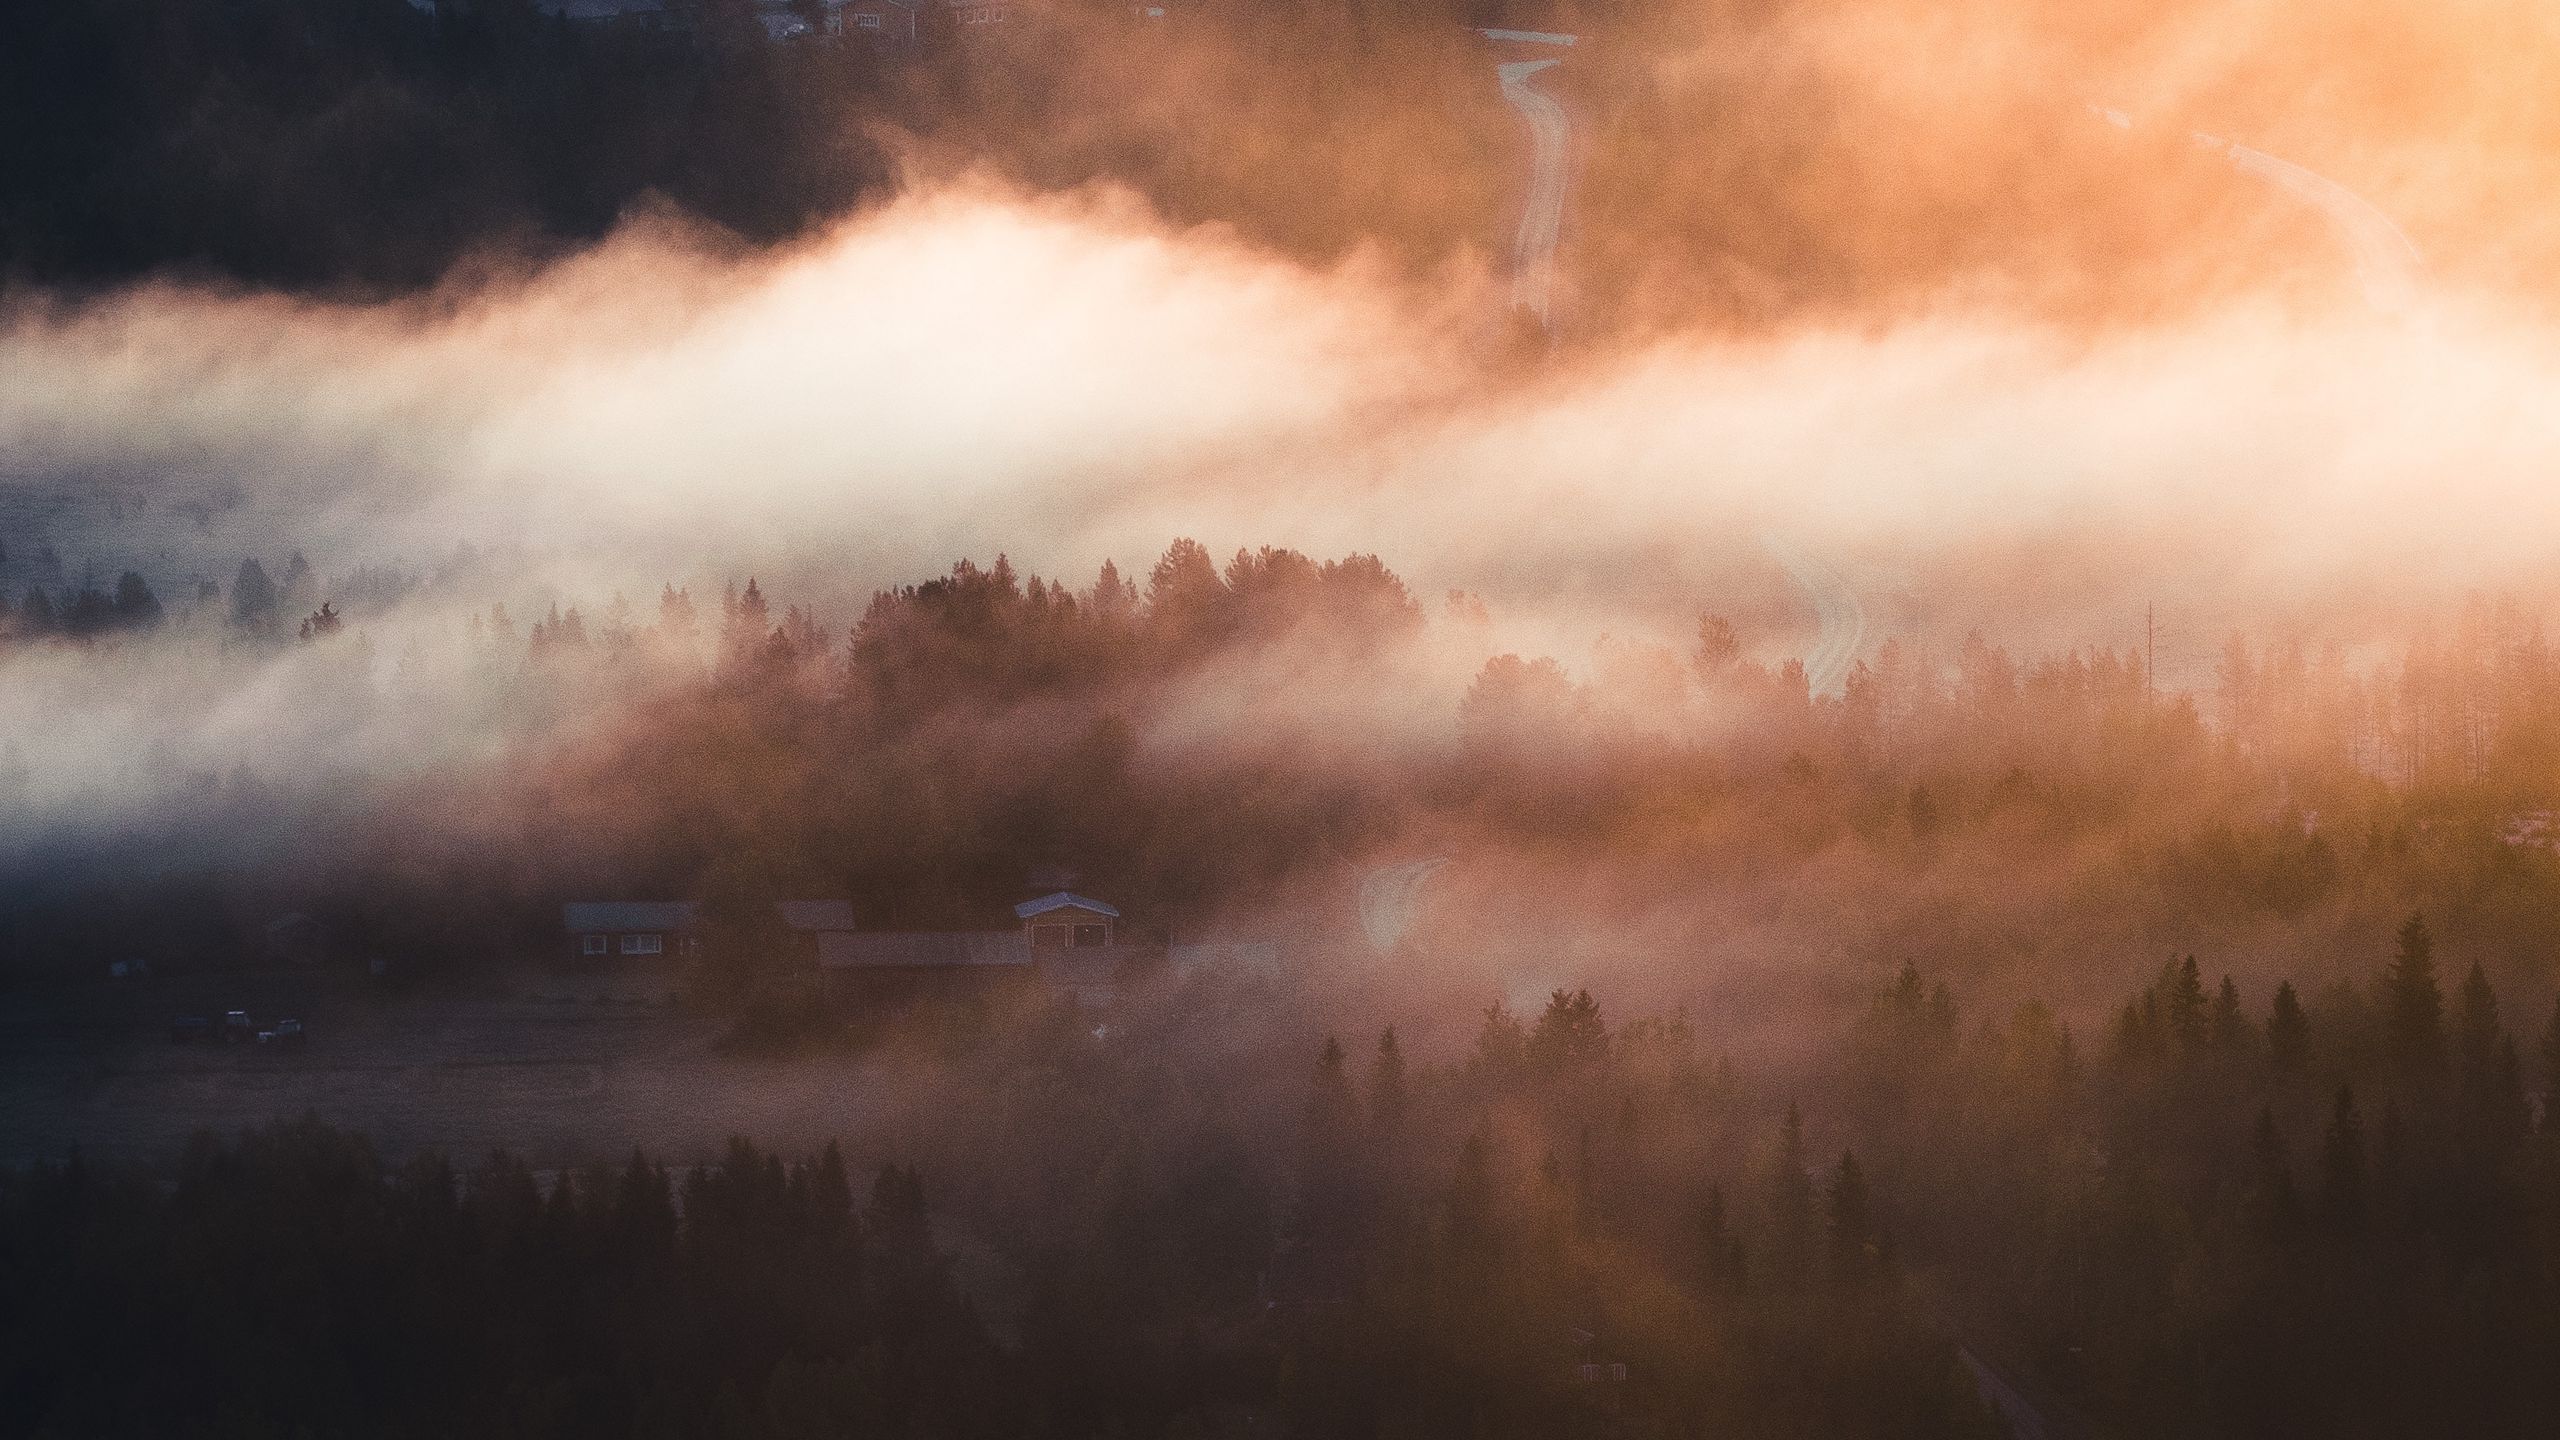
817,914
1060,901
921,950
588,915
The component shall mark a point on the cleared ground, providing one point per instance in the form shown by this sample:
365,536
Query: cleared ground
557,1078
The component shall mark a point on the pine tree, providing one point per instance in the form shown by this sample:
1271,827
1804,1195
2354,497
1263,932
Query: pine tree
1501,1043
2551,1071
1329,1104
2495,1113
2229,1029
1569,1038
2414,1005
254,600
675,615
831,1195
1790,1198
1470,1200
2388,1185
2505,1115
2182,999
2342,1165
1718,647
644,1214
2476,1028
1328,1165
136,608
1719,1250
1386,1085
1852,1219
2288,1031
2279,1206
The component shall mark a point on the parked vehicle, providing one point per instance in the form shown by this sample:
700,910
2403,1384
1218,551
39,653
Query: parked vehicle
188,1029
284,1035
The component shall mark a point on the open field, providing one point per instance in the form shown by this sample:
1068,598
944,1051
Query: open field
557,1079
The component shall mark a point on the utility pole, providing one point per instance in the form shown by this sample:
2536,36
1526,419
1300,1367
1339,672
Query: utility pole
2149,648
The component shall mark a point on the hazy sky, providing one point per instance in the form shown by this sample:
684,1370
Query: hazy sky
971,367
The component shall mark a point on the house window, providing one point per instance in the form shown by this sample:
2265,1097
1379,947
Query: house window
1049,937
643,944
593,945
1088,936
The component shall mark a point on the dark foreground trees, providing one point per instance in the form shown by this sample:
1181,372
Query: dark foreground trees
1501,1249
2217,1222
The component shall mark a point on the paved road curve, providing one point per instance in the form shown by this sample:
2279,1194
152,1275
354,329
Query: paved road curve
1533,250
1836,607
1843,618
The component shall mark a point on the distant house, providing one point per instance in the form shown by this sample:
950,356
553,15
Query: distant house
1064,943
631,929
1065,921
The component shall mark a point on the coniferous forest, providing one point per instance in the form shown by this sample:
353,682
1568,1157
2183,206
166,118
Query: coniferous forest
1270,720
2322,1218
2310,1189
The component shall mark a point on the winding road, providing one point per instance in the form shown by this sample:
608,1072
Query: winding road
1390,896
1836,607
1533,250
2389,264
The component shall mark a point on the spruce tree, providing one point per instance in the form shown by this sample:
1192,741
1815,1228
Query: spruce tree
136,607
2413,1005
2288,1031
2476,1028
2342,1165
1719,1250
2551,1071
1790,1198
1329,1166
1852,1219
1329,1105
1386,1085
2230,1028
254,600
2182,998
2279,1206
2495,1113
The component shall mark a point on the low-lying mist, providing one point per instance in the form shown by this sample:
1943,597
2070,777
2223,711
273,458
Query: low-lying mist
1064,362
